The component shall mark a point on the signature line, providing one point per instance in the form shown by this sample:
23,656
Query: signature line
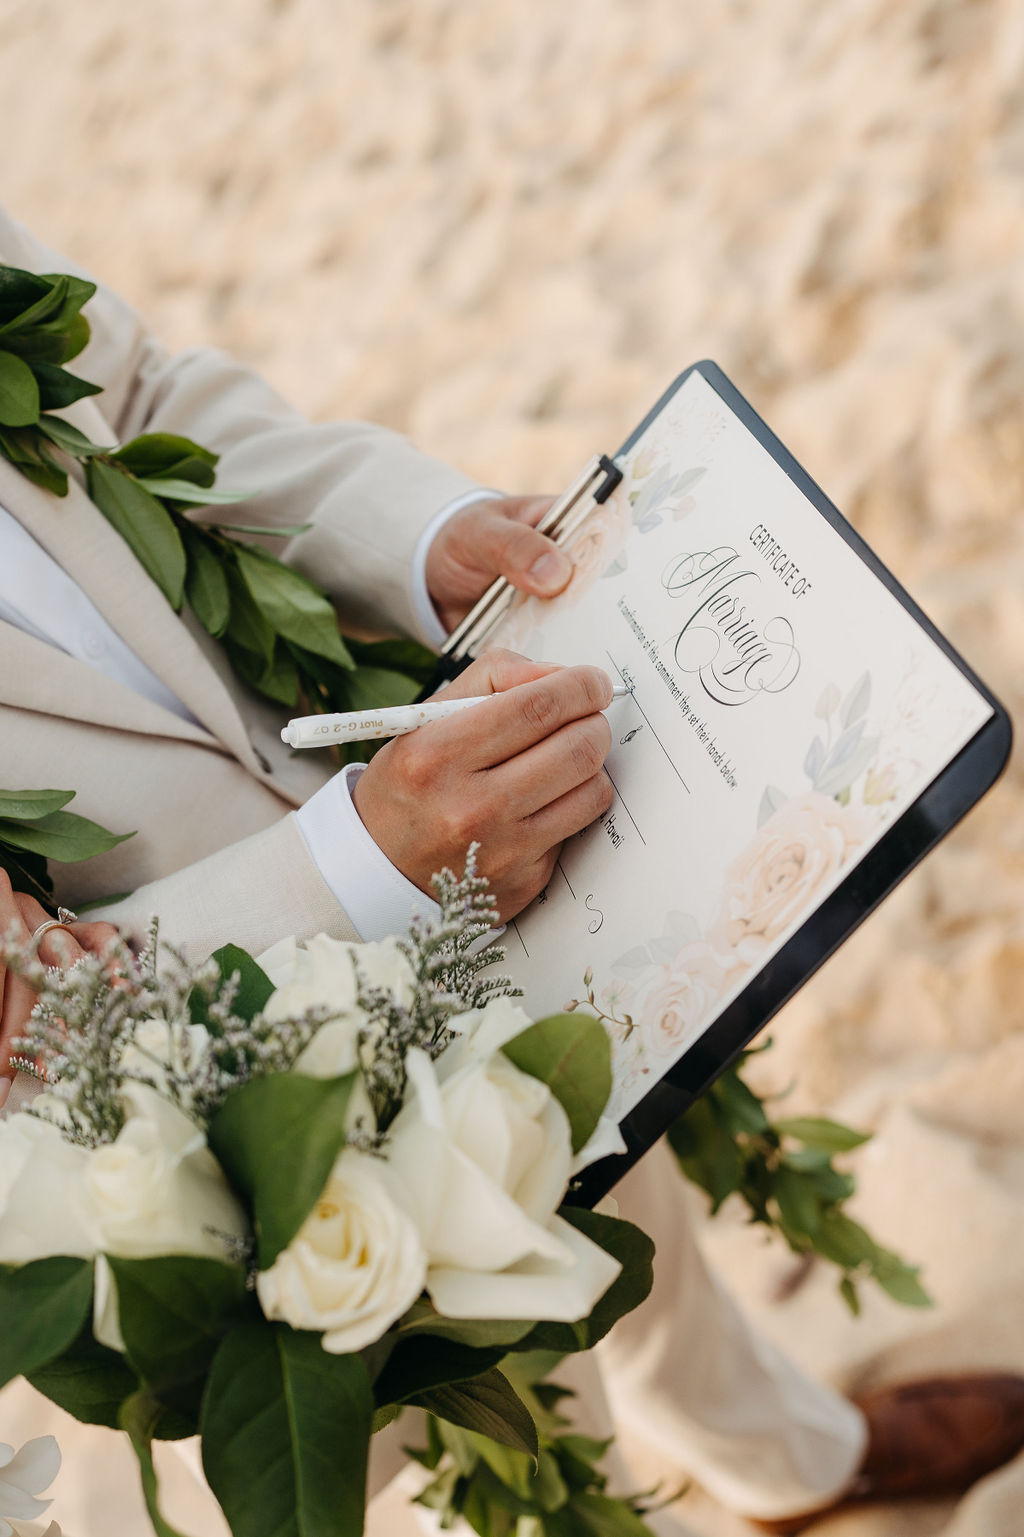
654,734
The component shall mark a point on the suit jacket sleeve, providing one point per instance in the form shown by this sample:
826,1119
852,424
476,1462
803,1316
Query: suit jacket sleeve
252,893
367,492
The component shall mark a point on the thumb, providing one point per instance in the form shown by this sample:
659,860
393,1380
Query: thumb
527,559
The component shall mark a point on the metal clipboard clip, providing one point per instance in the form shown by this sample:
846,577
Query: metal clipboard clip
594,485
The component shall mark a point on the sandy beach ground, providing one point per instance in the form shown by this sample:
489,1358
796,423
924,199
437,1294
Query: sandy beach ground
503,228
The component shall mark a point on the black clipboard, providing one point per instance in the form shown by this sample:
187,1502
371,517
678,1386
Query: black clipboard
938,809
936,812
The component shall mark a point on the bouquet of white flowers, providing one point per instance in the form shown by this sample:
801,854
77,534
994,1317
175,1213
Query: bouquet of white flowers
275,1202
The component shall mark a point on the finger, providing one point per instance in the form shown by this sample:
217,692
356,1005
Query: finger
516,551
526,509
564,760
12,990
571,813
57,947
494,673
97,938
516,720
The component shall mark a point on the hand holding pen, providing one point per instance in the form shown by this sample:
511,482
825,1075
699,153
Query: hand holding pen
517,772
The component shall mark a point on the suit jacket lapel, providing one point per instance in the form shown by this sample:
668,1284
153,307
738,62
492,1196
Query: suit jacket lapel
77,535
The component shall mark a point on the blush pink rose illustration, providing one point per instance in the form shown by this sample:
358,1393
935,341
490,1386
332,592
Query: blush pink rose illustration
593,548
680,1001
779,875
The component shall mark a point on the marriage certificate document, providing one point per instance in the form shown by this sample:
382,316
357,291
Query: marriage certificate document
786,708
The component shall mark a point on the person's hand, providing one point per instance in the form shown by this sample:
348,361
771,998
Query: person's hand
22,915
491,539
517,774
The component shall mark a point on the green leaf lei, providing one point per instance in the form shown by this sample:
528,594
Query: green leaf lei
278,629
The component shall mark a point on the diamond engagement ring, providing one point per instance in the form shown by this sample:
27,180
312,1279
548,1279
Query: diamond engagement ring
63,918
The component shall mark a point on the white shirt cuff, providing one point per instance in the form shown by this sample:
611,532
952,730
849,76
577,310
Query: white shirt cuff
375,895
432,631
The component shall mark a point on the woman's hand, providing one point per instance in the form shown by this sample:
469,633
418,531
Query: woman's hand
22,915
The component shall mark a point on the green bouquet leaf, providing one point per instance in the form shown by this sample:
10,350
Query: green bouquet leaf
174,1311
571,1053
277,1139
43,1306
285,1431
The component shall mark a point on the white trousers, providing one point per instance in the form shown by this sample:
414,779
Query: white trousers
684,1372
687,1374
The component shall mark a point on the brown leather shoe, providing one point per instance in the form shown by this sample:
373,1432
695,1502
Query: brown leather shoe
929,1439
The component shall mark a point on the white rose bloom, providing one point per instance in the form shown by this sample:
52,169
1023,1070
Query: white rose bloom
157,1045
23,1476
484,1159
157,1189
356,1264
41,1210
323,974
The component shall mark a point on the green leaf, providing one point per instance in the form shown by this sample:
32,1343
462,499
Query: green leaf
571,1053
206,586
28,873
144,525
58,388
799,1204
254,987
738,1106
30,453
827,1136
599,1515
848,1292
900,1280
68,438
78,291
706,1152
19,393
18,290
139,1417
277,1139
43,1306
291,604
844,1241
166,453
402,656
29,804
279,678
423,1363
369,688
46,307
285,1435
423,1318
635,1253
76,339
487,1405
174,490
247,627
62,835
268,530
88,1381
174,1311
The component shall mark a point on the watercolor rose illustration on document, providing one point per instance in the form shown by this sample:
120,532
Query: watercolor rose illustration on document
663,993
651,490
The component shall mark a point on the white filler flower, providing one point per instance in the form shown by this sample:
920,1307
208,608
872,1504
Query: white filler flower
23,1476
355,1265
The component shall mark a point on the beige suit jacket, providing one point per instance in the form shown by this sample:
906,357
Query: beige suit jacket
215,852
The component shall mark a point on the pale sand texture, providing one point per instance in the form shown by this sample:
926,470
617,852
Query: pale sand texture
504,228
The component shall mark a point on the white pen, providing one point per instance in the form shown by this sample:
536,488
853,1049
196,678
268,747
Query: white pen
371,725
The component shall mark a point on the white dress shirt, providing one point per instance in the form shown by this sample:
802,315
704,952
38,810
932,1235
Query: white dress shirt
39,597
